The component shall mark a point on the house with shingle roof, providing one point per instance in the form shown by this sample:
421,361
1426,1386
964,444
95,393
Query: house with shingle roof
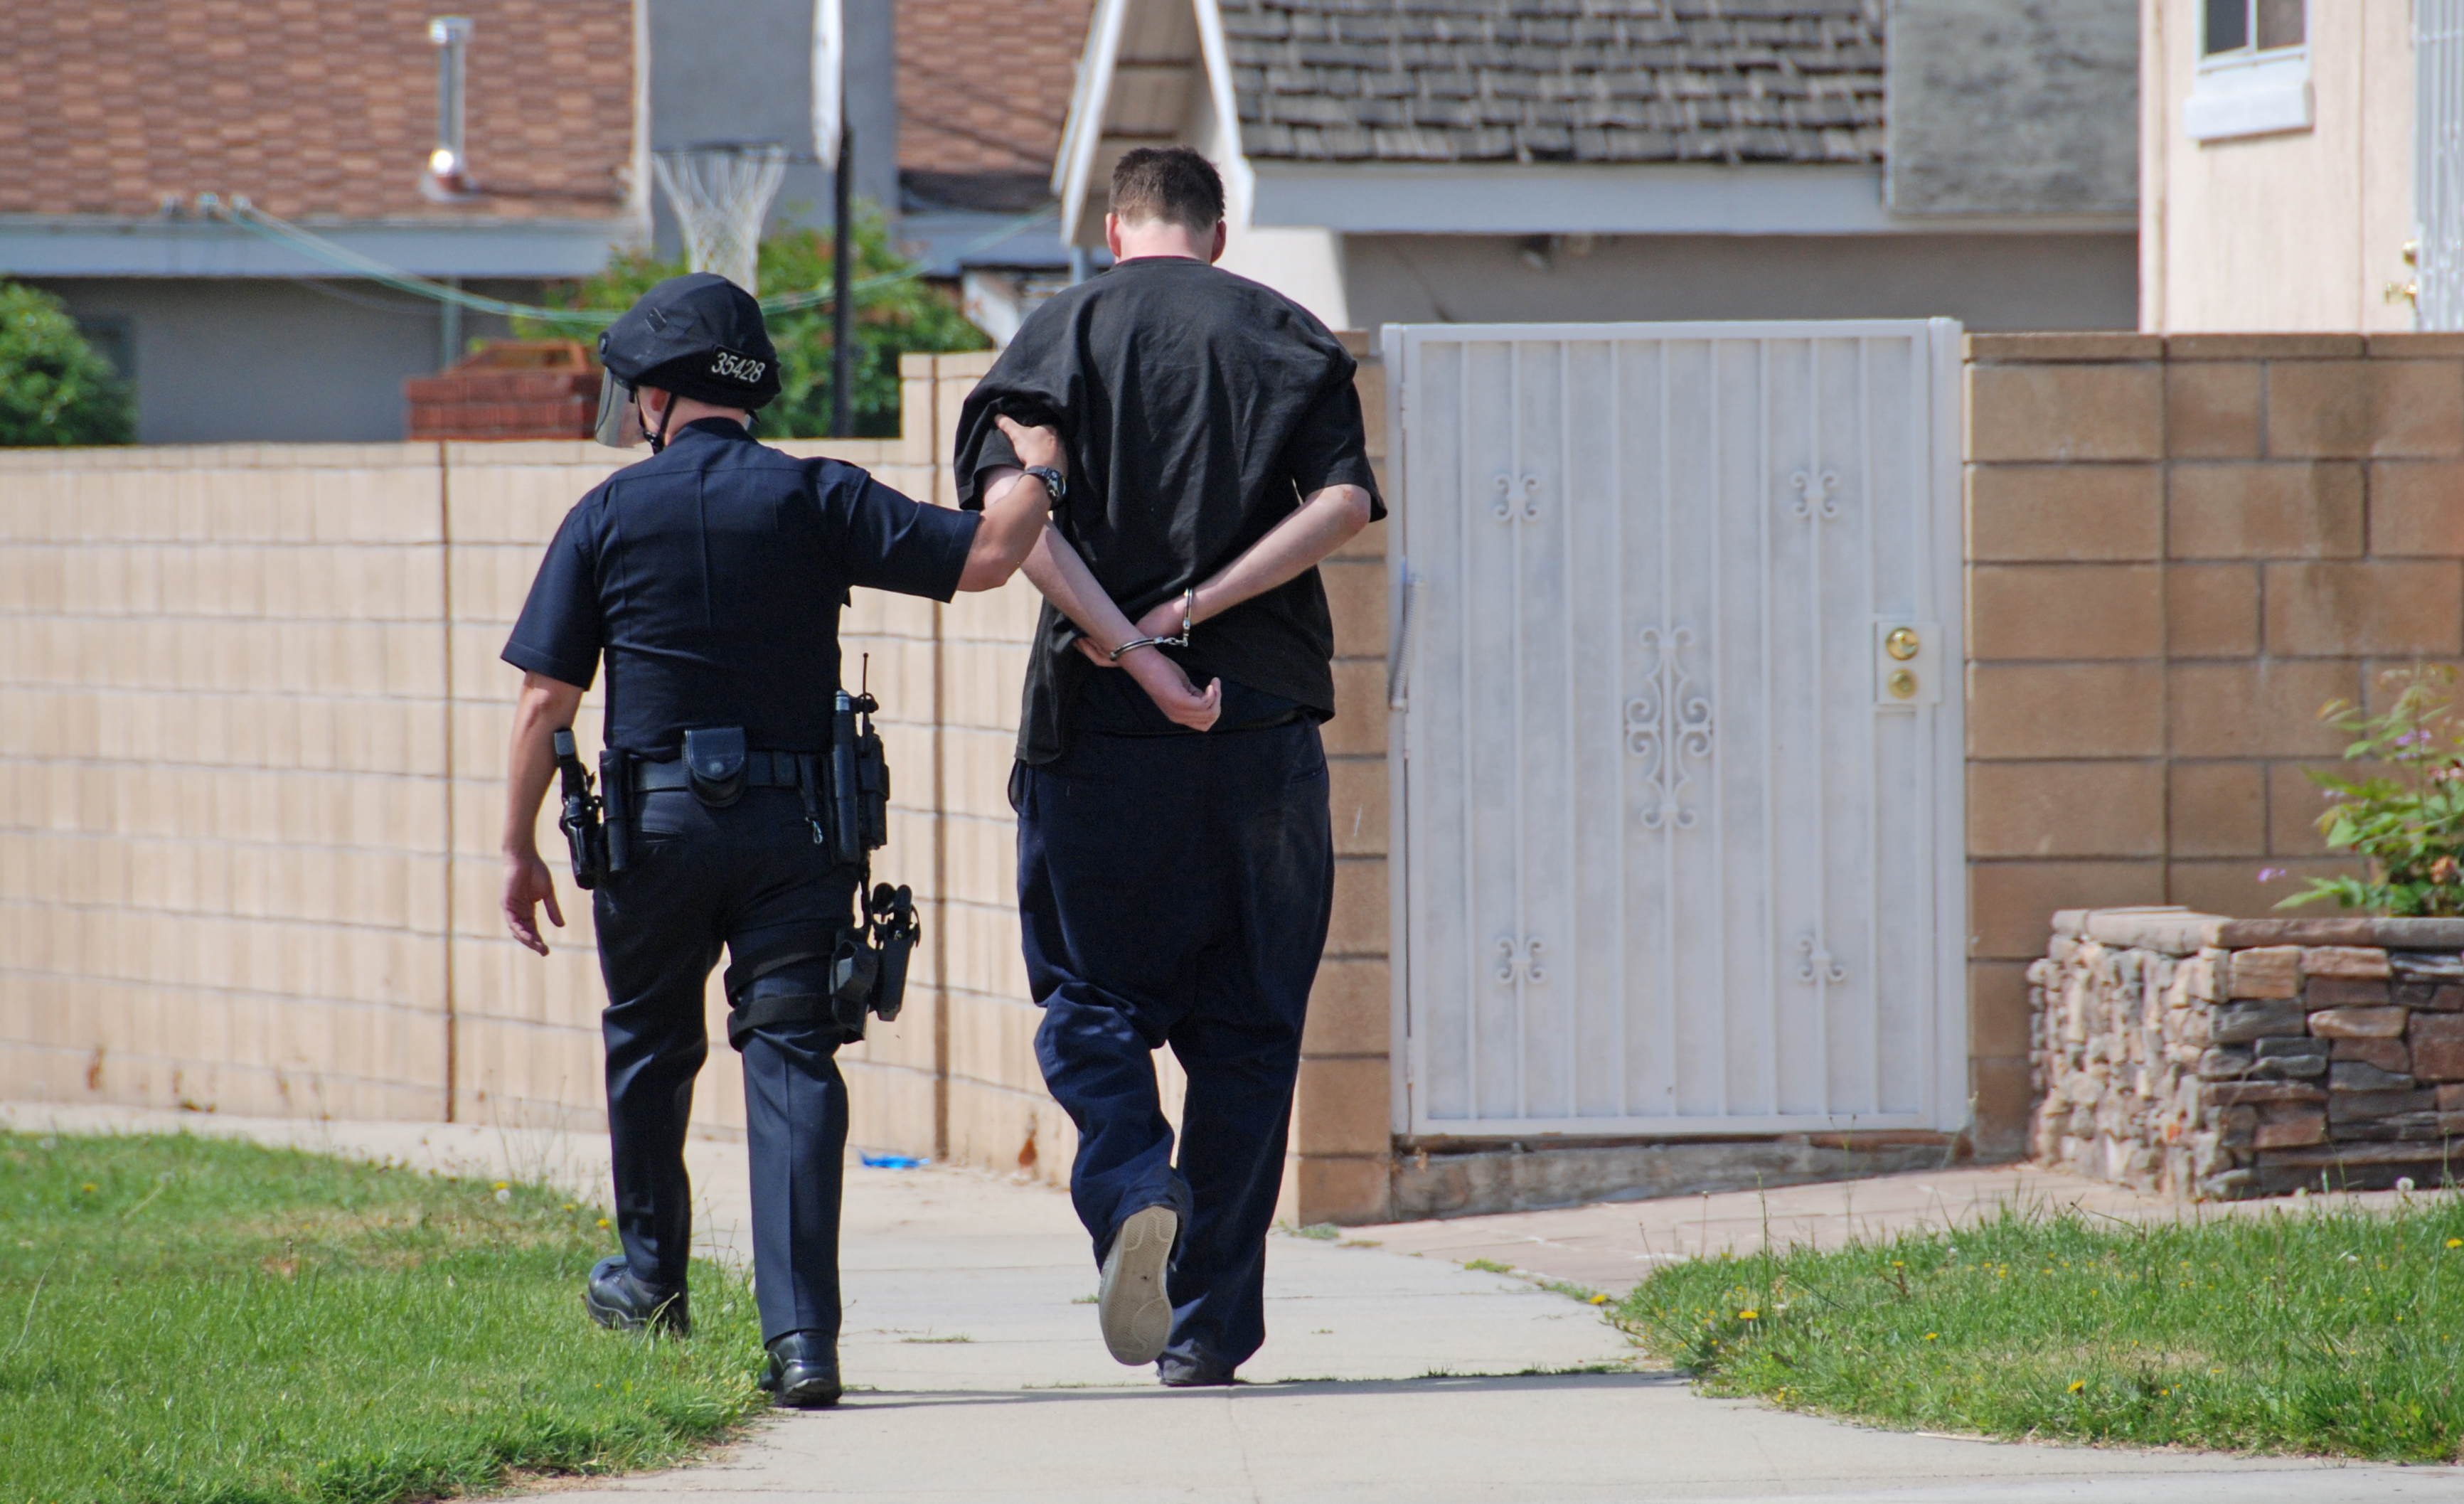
1509,160
983,94
118,116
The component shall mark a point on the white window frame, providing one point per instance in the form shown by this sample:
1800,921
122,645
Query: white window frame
2246,91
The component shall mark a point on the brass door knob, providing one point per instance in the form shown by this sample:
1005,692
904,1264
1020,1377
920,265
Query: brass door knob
1902,645
1902,684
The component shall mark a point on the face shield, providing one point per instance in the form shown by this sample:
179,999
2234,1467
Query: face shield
619,417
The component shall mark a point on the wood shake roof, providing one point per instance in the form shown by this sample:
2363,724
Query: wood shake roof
314,109
1558,80
983,90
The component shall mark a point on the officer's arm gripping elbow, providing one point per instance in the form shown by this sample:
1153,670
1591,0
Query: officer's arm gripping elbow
1015,508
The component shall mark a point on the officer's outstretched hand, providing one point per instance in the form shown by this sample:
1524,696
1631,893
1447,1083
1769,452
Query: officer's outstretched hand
527,885
1034,446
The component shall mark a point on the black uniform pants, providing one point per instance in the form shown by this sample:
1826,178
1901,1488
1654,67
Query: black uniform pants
750,879
1176,891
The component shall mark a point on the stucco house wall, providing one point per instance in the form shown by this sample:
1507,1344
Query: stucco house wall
2295,228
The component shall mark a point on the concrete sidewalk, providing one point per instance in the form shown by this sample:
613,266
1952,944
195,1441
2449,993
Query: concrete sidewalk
979,1375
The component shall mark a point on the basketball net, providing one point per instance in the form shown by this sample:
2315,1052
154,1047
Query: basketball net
721,194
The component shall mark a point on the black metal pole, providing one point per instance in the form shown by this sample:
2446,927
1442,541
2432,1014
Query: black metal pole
842,299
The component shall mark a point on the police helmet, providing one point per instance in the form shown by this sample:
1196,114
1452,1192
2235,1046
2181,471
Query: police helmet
697,335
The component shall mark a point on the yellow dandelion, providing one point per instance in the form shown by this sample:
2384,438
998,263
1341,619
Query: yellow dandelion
1929,1337
1749,1313
1600,1300
2077,1385
500,1185
2456,1242
602,1222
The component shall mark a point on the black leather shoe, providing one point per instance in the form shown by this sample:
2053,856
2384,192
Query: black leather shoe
1192,1373
622,1303
803,1373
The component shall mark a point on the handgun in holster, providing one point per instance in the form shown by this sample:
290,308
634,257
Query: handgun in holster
846,802
584,833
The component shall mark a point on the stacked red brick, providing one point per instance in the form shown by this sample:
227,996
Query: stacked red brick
2226,1058
546,390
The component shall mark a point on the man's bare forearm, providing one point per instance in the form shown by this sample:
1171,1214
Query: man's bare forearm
1324,523
1055,569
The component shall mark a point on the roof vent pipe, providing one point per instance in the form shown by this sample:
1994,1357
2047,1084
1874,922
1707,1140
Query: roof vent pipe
448,179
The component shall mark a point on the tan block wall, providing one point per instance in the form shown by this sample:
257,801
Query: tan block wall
2180,549
252,729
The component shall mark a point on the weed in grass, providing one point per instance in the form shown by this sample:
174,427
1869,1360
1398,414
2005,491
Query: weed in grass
1487,1266
200,1319
2334,1333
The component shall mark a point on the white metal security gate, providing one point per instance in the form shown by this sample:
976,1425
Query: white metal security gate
1677,731
2438,162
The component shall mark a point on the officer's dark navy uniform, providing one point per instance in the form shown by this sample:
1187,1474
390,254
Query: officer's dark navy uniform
709,578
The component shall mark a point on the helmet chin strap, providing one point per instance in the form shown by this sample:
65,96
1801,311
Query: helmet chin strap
658,438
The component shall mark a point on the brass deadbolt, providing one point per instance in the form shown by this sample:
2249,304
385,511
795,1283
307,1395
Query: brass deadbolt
1902,684
1902,645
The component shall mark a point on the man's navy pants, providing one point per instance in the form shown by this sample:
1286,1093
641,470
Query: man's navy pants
1175,891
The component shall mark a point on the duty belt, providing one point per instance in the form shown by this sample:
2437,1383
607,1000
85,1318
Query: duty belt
761,770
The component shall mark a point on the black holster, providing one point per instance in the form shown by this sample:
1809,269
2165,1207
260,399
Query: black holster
585,834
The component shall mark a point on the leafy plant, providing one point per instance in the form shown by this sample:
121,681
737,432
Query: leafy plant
890,320
54,390
2407,822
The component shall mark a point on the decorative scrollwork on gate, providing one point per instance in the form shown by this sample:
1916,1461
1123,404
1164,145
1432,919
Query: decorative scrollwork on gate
1820,966
1519,959
1667,726
1512,508
1814,496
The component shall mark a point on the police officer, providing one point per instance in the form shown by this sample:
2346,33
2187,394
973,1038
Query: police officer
710,577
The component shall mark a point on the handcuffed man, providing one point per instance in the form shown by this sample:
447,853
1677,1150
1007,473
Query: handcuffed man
1176,868
709,578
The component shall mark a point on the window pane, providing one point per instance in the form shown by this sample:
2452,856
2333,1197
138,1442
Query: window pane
2227,25
2279,23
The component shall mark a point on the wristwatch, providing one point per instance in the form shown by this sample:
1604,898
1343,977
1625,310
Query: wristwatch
1055,485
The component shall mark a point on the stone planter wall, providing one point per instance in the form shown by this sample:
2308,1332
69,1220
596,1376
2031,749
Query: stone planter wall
2217,1058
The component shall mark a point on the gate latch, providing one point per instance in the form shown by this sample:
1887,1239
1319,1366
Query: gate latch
1907,663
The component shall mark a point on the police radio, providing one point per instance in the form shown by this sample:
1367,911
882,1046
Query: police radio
584,831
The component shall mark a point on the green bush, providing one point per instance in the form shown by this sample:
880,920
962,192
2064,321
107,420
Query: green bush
54,389
889,322
2408,821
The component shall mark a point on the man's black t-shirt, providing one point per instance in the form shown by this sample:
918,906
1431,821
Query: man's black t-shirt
1197,408
710,576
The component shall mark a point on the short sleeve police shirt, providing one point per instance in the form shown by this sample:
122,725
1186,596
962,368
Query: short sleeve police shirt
709,578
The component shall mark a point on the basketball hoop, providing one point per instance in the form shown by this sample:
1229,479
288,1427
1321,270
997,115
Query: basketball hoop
721,195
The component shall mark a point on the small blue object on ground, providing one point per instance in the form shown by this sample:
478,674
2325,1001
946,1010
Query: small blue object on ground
893,1162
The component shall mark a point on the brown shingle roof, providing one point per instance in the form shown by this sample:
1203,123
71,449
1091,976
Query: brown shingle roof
1558,80
315,109
985,88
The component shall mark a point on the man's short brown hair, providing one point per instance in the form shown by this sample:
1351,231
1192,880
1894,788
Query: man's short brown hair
1173,184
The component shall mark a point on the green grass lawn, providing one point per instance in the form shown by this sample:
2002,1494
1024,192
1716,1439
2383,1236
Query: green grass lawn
196,1319
2337,1333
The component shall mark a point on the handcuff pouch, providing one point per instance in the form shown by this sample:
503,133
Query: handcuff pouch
714,764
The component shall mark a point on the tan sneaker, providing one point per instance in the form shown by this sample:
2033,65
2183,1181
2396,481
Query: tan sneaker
1132,1303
